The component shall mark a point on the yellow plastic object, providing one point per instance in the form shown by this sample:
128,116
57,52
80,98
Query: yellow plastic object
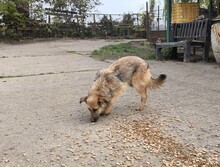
184,12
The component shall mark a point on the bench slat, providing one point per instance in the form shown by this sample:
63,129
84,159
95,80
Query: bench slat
200,28
185,30
194,29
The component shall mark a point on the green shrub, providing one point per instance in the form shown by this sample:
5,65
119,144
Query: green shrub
166,53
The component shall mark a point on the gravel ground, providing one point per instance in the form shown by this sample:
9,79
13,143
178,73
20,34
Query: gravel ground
43,124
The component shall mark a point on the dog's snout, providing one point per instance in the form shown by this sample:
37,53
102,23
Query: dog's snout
94,119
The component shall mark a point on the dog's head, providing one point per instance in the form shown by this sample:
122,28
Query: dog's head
95,105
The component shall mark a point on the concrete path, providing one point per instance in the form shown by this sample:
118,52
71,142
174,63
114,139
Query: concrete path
43,124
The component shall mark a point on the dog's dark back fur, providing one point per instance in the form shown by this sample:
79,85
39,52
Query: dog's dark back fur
125,71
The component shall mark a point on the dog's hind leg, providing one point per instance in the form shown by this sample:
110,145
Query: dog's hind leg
143,93
139,81
142,90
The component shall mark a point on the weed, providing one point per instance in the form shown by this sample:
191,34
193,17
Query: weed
3,57
76,52
166,53
72,51
124,49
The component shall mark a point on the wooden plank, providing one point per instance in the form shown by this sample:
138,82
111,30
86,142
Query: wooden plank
201,28
170,44
174,32
186,52
194,29
197,29
191,29
185,30
205,27
181,30
188,29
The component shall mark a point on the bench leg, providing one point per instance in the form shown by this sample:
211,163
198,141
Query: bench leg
174,53
206,52
194,51
158,53
186,52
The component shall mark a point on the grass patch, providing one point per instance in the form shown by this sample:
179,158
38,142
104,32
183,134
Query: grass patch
72,51
4,77
140,49
78,52
31,75
3,57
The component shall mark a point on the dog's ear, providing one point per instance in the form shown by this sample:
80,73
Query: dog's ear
83,99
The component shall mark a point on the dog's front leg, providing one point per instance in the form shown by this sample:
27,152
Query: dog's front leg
107,109
109,106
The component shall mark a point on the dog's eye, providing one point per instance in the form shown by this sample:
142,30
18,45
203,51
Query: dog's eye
99,103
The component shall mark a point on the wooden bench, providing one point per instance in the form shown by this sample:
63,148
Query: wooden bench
192,34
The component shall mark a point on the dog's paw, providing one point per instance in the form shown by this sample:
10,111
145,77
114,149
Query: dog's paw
107,113
139,108
103,114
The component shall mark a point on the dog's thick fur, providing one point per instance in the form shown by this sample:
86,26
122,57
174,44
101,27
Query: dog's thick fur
111,82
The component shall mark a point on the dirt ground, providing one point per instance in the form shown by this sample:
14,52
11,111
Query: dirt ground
42,123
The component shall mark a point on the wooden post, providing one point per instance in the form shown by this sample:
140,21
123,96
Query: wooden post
186,56
147,22
169,11
218,6
137,20
158,53
49,19
94,21
210,9
158,19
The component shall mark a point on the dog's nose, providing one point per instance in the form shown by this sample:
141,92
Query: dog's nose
94,119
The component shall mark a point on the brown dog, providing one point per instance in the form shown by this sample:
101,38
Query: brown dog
111,82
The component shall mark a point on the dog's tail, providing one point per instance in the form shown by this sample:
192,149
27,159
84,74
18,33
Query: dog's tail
156,83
